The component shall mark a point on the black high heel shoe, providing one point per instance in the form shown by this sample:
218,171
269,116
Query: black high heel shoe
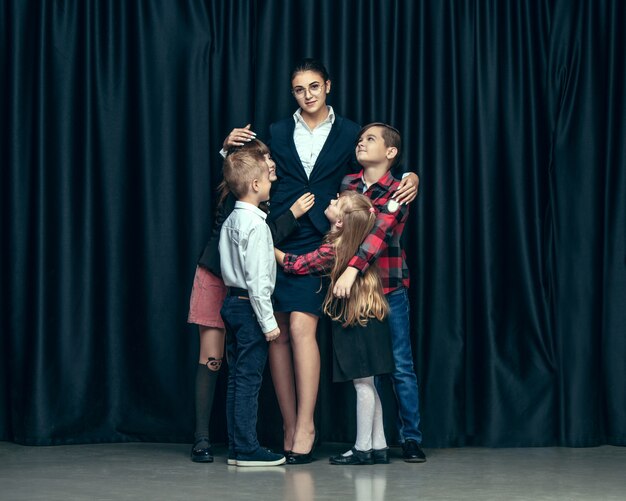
298,458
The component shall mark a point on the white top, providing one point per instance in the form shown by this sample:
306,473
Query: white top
309,142
247,259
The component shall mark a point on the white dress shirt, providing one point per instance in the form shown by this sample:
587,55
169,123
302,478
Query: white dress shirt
309,142
247,259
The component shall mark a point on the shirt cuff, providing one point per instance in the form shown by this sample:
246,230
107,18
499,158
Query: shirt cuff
268,325
360,264
288,262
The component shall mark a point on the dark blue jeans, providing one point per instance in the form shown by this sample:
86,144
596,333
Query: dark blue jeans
246,349
403,378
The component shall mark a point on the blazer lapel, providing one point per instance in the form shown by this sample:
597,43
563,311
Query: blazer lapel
328,145
292,148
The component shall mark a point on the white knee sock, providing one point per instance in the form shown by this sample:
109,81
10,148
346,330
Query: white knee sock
378,430
365,412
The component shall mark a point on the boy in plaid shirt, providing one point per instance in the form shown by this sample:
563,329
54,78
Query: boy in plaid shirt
377,150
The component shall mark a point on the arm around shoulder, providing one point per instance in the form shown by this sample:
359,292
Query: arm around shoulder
407,190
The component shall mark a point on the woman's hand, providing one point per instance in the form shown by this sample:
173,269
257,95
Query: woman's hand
238,137
407,191
302,205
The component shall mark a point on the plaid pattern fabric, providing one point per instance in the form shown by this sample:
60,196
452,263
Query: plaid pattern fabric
383,243
318,261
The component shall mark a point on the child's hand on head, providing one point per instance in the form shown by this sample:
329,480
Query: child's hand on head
302,205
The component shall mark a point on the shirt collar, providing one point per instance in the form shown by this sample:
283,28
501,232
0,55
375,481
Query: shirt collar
247,206
385,182
297,116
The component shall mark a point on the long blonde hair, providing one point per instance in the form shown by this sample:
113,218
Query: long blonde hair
366,296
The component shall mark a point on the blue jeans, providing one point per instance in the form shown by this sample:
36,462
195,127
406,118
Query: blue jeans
246,351
403,378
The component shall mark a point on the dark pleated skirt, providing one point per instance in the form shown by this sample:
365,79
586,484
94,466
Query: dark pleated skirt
361,351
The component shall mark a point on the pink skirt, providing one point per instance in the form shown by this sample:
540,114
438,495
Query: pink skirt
207,297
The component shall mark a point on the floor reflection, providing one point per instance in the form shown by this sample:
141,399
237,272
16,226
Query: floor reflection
164,472
369,483
361,483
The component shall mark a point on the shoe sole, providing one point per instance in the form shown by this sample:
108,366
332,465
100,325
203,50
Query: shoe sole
231,462
294,461
351,464
246,463
202,460
416,460
361,463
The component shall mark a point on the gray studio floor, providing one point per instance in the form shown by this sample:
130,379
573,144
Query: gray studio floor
151,471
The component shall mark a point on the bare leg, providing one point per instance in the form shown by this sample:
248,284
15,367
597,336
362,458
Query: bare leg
281,367
306,363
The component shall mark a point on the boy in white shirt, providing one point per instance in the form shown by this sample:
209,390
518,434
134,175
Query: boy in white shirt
249,271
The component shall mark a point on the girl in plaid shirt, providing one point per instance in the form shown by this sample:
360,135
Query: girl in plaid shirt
361,338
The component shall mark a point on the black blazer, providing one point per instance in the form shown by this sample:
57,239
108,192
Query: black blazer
335,161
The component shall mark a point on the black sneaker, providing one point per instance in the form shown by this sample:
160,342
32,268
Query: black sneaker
262,457
412,452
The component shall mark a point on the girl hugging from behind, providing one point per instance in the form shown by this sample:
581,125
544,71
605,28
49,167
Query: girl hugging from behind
361,339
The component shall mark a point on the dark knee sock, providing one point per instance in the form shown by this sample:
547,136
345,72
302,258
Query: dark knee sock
206,380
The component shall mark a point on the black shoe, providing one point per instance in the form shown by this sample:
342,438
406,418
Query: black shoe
357,457
299,458
412,452
202,454
380,456
261,457
296,458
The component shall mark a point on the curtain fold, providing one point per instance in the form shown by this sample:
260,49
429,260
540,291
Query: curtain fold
512,113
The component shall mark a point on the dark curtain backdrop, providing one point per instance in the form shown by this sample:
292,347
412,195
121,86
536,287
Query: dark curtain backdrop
513,114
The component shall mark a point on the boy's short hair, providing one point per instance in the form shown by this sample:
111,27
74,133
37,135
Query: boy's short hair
255,147
390,135
241,167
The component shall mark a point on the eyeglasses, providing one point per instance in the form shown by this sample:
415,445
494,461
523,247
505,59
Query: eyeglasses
314,89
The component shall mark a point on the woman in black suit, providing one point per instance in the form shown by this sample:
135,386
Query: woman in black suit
313,151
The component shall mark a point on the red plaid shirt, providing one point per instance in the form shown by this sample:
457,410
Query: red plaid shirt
383,243
318,261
